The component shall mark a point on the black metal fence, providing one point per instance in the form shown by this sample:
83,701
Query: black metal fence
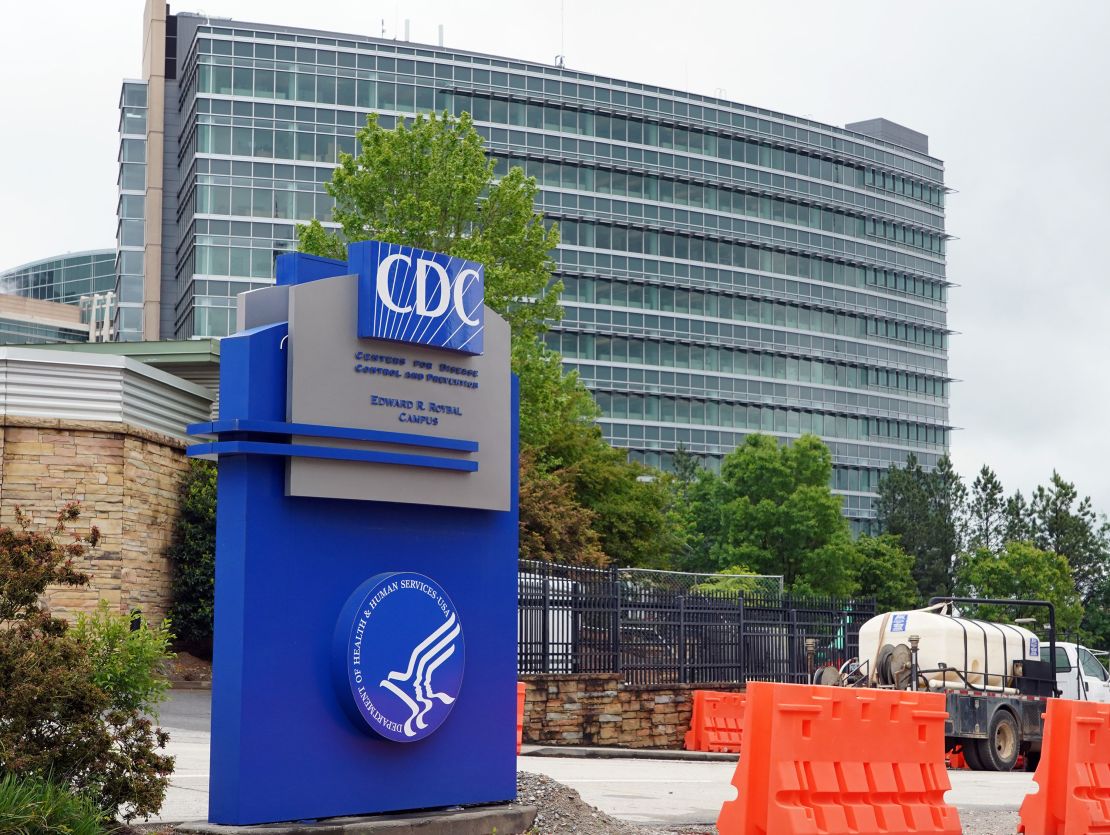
661,628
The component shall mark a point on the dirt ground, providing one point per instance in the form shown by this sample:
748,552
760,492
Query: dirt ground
186,667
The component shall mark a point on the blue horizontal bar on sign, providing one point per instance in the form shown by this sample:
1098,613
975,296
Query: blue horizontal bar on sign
315,430
331,453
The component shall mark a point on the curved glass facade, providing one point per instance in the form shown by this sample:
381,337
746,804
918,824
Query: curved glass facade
727,269
62,278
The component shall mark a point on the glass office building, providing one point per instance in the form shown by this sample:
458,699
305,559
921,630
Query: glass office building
62,278
728,269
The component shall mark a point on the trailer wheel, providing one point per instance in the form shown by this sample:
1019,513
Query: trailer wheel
999,751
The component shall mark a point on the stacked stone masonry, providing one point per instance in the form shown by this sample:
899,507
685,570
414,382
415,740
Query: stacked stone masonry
127,481
599,710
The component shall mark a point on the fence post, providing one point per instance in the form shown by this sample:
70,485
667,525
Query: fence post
793,644
545,626
615,580
743,671
683,672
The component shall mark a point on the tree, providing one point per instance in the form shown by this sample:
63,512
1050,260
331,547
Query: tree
925,510
686,468
1016,524
56,721
557,412
632,503
884,571
429,184
1021,571
779,516
1067,525
986,511
192,557
553,526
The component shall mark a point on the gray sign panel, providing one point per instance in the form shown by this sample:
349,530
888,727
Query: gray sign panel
445,417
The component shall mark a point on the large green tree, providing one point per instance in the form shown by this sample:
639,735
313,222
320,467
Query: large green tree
925,509
884,571
1021,571
778,515
429,184
986,511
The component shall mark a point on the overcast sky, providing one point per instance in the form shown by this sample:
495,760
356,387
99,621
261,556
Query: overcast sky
1013,96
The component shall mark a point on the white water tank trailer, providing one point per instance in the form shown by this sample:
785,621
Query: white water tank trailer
954,653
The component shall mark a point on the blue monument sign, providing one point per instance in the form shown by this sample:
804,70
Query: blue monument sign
365,647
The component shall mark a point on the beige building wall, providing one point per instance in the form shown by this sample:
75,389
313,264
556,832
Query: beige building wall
127,481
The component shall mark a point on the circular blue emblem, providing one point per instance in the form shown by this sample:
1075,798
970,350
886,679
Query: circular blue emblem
399,645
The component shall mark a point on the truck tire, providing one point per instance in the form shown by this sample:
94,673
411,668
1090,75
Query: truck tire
971,754
1032,760
999,751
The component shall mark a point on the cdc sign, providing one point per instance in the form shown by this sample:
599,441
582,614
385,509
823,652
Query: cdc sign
366,542
419,297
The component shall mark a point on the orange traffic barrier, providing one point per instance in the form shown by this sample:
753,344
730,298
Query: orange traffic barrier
836,759
1073,772
715,722
521,691
956,758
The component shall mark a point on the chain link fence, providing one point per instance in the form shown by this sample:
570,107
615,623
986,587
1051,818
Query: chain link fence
664,627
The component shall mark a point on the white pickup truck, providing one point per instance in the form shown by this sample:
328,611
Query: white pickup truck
1079,674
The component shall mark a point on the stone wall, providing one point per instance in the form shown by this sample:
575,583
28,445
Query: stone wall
127,481
596,709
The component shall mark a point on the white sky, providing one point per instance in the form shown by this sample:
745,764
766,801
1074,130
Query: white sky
1013,95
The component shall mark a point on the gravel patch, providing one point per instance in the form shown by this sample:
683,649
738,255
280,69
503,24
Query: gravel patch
989,821
563,812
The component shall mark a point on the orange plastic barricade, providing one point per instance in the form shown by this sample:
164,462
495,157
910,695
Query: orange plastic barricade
521,691
715,723
1073,773
838,760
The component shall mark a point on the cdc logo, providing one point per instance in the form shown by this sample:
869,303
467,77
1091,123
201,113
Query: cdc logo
412,295
399,655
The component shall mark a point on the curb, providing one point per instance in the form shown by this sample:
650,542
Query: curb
190,685
625,754
502,819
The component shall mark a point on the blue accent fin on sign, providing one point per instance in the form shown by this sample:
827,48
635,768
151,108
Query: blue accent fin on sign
300,268
313,430
252,373
331,453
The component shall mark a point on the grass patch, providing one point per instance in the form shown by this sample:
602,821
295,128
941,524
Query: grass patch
32,806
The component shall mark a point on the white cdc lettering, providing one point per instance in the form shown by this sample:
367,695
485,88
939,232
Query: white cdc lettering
447,293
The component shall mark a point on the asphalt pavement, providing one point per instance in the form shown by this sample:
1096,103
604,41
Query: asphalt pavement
642,791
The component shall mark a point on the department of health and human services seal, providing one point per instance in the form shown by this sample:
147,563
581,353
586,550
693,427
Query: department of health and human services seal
399,647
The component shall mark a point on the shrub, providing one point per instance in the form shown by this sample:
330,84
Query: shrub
127,662
193,557
56,722
31,806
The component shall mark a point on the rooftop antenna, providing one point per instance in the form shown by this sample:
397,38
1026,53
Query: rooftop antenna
383,28
407,38
441,34
561,58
